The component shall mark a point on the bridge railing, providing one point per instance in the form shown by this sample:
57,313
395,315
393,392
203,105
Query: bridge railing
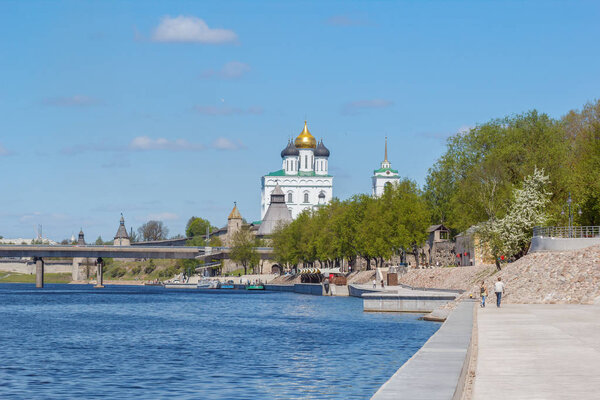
577,232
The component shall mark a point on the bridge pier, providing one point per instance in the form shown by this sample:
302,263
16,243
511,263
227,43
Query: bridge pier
99,272
39,272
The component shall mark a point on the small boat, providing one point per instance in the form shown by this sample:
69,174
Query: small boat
227,286
255,287
180,286
208,284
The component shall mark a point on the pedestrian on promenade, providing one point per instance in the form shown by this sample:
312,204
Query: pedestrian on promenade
499,289
483,292
374,283
382,284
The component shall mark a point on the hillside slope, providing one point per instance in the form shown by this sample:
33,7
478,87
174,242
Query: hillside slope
548,277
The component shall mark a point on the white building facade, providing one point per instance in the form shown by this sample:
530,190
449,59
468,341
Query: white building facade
384,176
304,177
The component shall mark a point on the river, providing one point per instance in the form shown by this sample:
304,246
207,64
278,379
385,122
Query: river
73,342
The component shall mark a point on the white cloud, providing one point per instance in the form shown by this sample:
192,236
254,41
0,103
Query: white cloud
146,143
190,29
3,151
71,101
357,106
222,143
214,110
164,216
231,70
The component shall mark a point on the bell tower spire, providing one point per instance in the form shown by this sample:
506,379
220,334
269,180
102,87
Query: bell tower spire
385,158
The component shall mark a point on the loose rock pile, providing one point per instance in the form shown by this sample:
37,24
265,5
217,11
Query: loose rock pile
545,277
553,277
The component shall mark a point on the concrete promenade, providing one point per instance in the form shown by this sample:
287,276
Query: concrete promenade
538,351
437,370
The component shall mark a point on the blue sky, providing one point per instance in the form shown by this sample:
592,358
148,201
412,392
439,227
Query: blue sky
164,110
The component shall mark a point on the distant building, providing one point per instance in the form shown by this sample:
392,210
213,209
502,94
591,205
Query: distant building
384,176
439,248
276,214
81,238
122,238
304,177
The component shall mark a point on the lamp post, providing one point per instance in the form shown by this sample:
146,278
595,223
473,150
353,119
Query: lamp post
569,202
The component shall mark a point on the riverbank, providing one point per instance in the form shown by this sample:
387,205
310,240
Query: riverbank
15,277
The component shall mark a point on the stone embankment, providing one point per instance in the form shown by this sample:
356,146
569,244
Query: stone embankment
558,277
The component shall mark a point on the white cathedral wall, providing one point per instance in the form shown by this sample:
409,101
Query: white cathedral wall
297,186
380,181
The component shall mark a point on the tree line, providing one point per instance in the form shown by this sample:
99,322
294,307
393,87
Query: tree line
363,226
474,180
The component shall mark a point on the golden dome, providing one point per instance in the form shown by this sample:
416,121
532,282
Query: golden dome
305,140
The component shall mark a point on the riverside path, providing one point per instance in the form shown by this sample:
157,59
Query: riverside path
538,351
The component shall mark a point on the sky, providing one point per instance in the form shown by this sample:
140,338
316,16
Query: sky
171,109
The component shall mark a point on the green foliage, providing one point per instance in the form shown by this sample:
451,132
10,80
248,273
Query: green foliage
243,249
117,272
509,235
474,180
197,226
136,270
371,228
148,269
99,241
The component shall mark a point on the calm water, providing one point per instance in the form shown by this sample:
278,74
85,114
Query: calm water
71,341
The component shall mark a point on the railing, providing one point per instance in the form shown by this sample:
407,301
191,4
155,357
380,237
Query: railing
567,231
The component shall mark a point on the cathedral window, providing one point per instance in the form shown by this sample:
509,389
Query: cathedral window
321,198
305,161
306,197
290,198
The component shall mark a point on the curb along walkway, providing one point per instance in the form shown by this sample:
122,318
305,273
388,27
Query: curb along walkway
434,372
538,351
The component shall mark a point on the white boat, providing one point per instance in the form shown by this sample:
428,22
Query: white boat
208,284
180,286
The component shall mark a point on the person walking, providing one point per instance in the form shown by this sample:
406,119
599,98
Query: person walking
499,289
374,283
483,292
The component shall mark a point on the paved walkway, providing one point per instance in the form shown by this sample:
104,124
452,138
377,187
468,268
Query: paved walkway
538,351
434,372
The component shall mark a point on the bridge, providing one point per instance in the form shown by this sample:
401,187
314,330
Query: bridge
38,252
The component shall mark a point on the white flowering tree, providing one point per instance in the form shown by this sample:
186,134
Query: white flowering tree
509,235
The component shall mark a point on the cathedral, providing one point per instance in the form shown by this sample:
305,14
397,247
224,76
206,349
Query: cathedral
303,178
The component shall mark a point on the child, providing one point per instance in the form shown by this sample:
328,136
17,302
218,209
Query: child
483,292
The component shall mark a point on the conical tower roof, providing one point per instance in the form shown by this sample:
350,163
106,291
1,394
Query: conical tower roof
122,232
235,213
276,214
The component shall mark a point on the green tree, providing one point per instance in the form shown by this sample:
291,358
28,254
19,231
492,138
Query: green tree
510,234
243,249
197,226
99,241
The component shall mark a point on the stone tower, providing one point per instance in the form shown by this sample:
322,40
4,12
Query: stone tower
81,238
234,223
122,238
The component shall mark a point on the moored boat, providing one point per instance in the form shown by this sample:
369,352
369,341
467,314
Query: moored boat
259,286
208,284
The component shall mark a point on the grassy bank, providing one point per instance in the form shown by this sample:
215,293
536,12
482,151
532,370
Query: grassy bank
14,277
